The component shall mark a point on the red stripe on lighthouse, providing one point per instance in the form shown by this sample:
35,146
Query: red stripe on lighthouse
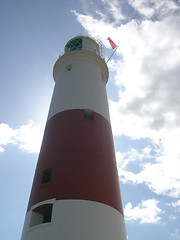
80,153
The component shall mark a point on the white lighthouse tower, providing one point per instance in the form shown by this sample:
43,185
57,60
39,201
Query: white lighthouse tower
75,193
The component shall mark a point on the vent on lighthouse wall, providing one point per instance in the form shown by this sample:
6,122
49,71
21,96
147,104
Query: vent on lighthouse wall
68,68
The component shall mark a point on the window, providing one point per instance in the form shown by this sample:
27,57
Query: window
74,45
88,114
46,177
41,214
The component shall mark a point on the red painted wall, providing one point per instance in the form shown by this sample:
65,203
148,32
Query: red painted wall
81,154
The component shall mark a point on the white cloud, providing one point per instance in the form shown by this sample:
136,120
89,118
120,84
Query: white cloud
146,212
149,101
176,204
159,171
160,177
7,135
148,8
27,137
132,155
172,217
176,235
114,8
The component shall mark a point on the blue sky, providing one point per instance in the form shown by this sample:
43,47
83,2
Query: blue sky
143,91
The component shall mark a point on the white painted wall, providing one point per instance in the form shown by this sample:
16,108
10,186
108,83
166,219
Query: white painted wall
90,45
81,87
78,220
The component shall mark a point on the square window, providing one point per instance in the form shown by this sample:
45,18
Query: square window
46,177
88,114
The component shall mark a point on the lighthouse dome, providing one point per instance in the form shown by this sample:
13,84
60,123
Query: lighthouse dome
82,43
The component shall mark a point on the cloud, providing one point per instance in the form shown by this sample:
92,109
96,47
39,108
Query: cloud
146,71
160,177
176,204
176,234
7,135
165,169
114,9
27,137
132,155
172,217
149,8
146,211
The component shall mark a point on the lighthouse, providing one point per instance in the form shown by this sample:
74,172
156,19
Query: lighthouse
75,193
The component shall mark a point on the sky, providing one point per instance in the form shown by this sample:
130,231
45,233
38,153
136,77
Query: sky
143,92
